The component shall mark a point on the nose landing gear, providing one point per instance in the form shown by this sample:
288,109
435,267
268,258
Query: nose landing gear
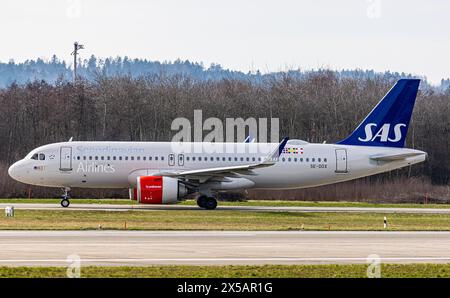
65,198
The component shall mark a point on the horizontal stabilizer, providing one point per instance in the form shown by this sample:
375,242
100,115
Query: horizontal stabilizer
393,157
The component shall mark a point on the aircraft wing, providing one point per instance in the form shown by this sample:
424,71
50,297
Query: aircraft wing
223,171
393,157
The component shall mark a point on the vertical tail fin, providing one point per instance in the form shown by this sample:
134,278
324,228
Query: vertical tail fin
387,124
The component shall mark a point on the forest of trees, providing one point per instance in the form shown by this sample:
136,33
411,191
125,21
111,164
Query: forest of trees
314,106
55,69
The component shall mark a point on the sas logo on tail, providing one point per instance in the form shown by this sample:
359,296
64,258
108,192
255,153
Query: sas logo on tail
382,133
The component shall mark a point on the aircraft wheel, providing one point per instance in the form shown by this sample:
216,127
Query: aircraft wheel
65,203
210,203
201,201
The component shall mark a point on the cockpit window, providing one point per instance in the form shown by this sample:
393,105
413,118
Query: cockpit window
41,156
35,156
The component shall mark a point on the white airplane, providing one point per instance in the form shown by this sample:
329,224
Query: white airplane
157,174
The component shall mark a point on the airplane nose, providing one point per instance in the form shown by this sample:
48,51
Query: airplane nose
12,171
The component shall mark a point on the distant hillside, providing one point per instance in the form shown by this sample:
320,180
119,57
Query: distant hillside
92,68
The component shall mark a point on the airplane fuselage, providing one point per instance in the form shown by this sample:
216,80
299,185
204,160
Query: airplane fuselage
118,164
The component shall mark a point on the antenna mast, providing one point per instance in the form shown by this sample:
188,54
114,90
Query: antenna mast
76,48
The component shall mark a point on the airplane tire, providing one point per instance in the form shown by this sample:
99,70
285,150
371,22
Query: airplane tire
201,201
65,203
210,203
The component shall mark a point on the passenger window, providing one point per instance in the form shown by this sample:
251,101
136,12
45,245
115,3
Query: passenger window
223,159
325,160
150,158
242,159
96,158
108,158
144,157
307,160
229,158
259,158
126,157
253,159
78,158
248,158
313,160
114,158
162,157
132,157
156,158
295,159
187,158
319,159
84,157
199,158
102,158
218,158
235,159
120,157
212,158
289,159
90,157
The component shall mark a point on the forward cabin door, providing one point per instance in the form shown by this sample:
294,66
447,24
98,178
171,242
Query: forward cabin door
65,159
341,161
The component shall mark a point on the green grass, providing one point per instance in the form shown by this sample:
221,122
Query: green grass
247,203
293,271
220,220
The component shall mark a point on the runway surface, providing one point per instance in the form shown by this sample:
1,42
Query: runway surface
137,248
110,207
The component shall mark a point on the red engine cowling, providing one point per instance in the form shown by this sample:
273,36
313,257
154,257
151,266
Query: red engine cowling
159,190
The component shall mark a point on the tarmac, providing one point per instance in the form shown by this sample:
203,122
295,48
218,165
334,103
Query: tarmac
141,248
124,207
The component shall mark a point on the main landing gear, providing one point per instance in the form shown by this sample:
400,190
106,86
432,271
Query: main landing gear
209,203
65,198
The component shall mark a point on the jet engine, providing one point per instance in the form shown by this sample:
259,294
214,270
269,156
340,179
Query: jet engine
159,190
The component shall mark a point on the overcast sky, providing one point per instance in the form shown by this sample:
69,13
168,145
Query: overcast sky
398,35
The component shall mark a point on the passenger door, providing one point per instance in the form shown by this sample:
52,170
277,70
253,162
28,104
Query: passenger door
341,161
65,159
